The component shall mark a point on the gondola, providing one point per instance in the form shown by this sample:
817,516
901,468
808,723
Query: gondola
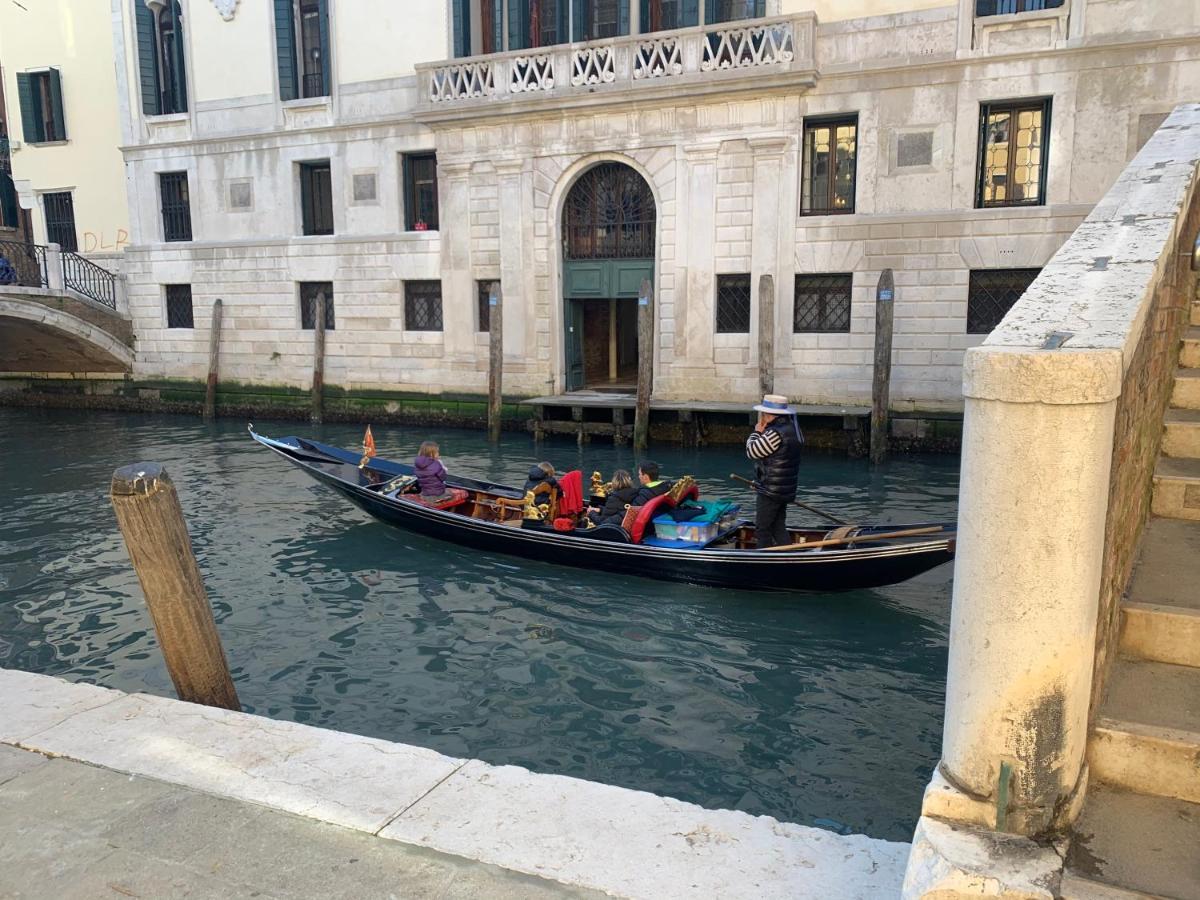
495,518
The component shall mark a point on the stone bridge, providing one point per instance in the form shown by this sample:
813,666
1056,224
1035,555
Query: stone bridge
51,330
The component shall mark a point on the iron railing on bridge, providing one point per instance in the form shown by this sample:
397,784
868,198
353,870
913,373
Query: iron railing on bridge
27,264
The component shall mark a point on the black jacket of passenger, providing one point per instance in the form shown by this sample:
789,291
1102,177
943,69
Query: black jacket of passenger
536,476
614,505
648,492
779,473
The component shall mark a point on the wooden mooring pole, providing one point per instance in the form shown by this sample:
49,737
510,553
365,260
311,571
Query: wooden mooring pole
885,293
645,323
214,344
766,334
495,359
156,536
317,414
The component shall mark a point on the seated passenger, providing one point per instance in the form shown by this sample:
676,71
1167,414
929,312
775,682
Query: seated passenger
431,474
542,473
652,485
620,496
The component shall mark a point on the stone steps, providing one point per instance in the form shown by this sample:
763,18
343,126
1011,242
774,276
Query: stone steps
1147,736
1186,392
1189,354
1160,618
1128,846
1181,433
1177,489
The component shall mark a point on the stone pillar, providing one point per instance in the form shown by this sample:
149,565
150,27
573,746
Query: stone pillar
768,226
458,289
55,279
1037,449
696,235
516,271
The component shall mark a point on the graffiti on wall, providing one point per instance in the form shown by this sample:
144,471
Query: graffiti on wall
94,242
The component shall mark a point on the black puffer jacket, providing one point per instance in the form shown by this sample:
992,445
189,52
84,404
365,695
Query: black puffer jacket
536,476
779,473
614,505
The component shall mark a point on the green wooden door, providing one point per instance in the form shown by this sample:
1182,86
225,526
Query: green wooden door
574,344
595,279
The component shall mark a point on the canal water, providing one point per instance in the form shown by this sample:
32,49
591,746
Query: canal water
817,709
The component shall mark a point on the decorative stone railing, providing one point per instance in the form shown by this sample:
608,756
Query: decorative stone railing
714,56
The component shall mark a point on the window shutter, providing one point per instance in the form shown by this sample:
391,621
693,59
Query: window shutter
9,214
56,105
177,60
623,18
579,15
406,178
710,12
30,119
518,26
564,21
147,64
461,15
690,14
285,49
326,50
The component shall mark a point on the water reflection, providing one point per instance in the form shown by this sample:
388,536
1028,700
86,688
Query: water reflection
815,709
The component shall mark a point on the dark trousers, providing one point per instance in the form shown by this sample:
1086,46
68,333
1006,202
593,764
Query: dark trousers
770,522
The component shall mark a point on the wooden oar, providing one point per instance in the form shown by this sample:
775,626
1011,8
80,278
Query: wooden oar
812,509
858,539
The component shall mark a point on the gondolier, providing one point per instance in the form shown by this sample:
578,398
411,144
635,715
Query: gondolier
775,448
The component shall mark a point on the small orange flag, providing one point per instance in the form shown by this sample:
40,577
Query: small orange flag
368,447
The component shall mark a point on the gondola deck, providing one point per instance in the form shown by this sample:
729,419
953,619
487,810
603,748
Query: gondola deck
484,522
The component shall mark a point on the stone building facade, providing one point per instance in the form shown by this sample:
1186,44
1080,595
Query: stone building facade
336,146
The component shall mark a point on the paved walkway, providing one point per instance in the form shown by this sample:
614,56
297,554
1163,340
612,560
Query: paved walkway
177,799
76,831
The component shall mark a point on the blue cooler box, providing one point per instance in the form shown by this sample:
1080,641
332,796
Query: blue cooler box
669,533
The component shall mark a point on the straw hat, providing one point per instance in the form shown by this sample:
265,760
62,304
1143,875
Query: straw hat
776,405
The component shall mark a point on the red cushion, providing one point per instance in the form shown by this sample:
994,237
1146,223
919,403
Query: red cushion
457,497
651,509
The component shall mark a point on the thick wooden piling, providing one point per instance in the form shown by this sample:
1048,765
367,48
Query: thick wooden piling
317,414
495,359
766,334
641,415
214,344
151,521
881,384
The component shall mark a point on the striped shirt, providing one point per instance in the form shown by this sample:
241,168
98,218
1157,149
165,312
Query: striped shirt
762,444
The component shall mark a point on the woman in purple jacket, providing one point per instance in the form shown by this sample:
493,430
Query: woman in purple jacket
431,474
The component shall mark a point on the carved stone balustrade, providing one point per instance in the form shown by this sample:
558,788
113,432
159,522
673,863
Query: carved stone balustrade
755,55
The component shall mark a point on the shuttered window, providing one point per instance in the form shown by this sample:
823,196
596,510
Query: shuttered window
161,64
40,94
179,306
316,198
302,48
60,220
176,206
420,192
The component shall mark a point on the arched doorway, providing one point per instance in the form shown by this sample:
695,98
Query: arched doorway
609,221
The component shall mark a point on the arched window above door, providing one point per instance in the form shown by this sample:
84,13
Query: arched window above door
609,214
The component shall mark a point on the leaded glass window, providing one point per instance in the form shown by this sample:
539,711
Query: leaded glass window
422,306
830,163
733,304
822,303
992,293
1013,144
309,290
610,214
1009,7
420,192
179,306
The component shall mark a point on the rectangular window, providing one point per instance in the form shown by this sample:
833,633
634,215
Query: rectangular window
422,306
179,306
302,48
830,160
316,198
733,304
541,23
309,291
483,298
733,10
420,192
665,15
176,206
822,303
40,96
1008,7
60,220
1014,139
992,293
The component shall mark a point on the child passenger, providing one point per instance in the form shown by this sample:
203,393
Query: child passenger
431,474
618,498
542,473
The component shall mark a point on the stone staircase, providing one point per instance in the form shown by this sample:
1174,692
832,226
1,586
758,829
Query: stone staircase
1139,833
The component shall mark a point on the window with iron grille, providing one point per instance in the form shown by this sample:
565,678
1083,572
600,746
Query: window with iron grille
610,214
822,303
991,295
179,306
483,299
1008,7
420,192
60,220
422,306
316,198
733,304
1014,140
830,164
309,290
176,206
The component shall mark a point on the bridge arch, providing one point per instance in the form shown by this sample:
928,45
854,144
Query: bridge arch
35,336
